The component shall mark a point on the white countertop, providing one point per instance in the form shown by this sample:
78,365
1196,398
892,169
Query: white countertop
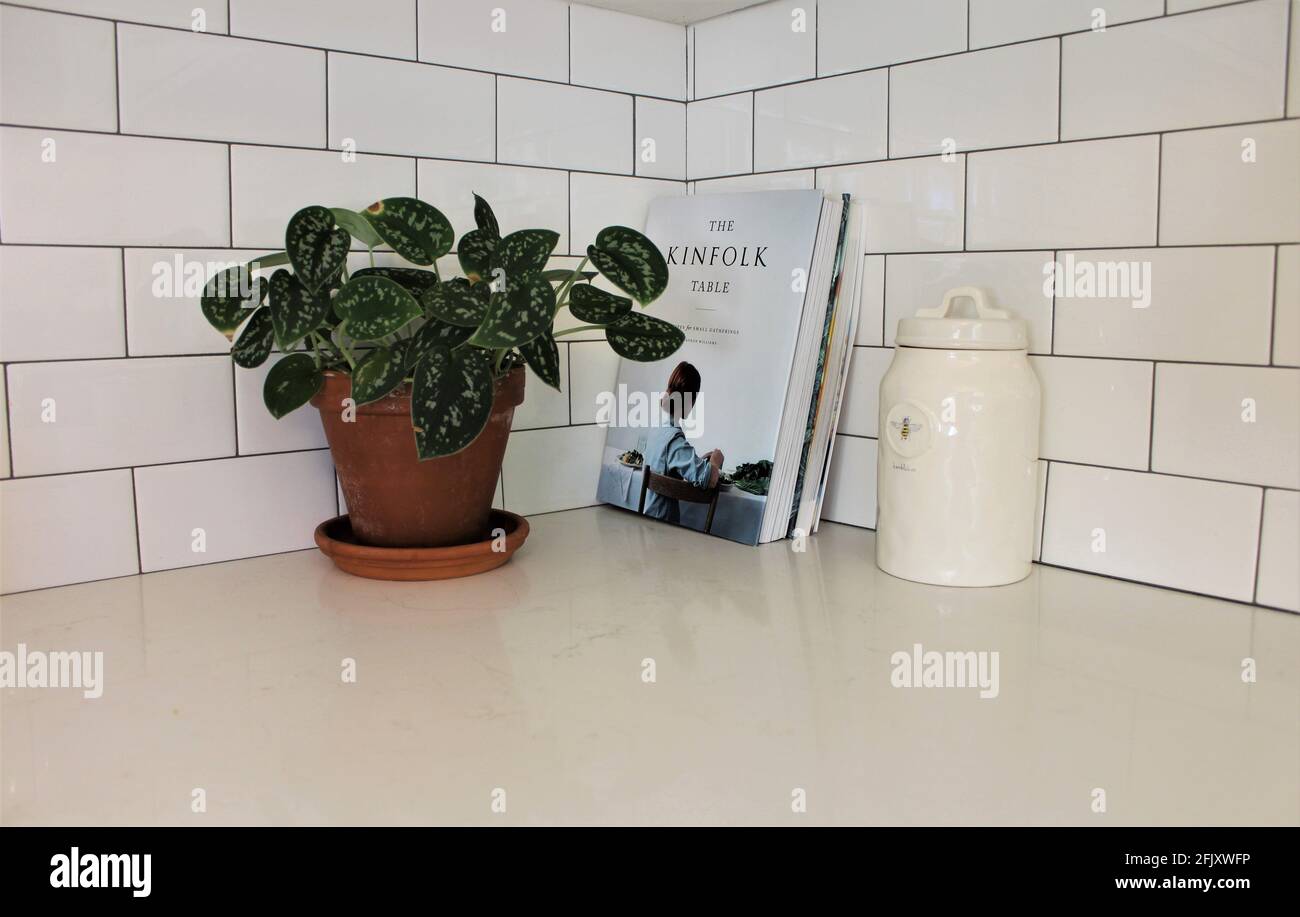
772,674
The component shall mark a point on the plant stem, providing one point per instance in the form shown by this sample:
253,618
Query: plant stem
372,256
561,295
347,354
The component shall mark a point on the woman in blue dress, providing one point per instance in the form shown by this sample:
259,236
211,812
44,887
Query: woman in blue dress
669,453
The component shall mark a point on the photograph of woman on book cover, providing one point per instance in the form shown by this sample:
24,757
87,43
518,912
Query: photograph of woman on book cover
670,454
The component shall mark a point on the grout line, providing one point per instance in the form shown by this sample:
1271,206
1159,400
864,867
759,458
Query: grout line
9,419
1286,56
568,378
1151,419
1272,322
1259,548
234,398
230,194
135,524
126,321
1051,332
1042,534
117,79
1160,168
327,99
1060,87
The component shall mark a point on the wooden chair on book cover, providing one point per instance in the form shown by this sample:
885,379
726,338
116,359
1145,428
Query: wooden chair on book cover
677,489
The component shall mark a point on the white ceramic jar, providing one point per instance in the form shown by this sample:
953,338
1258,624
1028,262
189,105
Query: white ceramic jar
958,449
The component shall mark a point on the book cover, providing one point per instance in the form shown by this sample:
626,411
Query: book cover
739,267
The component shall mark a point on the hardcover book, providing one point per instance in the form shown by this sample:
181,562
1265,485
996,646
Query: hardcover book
730,435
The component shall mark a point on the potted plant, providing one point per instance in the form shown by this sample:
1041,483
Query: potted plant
416,376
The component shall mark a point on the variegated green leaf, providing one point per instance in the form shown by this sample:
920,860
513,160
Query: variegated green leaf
630,261
255,341
643,338
475,254
434,333
372,307
291,383
229,298
316,249
377,374
457,302
593,305
417,231
451,399
523,311
295,310
412,279
355,224
524,252
542,354
485,219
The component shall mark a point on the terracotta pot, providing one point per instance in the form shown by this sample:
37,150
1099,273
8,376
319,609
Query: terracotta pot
396,500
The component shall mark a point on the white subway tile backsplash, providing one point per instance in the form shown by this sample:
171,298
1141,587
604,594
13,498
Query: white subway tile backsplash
871,307
46,178
842,119
80,416
56,71
761,46
996,22
1293,70
720,136
1201,304
1217,67
613,50
851,483
163,286
801,179
913,205
567,480
1230,423
181,84
1183,6
858,34
444,112
246,507
1286,322
179,14
660,139
597,201
4,426
1000,97
1096,412
1231,184
860,410
1279,575
567,127
86,530
258,431
525,39
543,406
385,27
521,197
60,303
268,186
1100,192
1011,280
593,369
1179,532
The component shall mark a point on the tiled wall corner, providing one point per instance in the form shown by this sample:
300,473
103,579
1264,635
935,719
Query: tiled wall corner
147,144
1040,151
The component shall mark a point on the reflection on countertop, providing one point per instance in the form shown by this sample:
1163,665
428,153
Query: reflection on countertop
772,674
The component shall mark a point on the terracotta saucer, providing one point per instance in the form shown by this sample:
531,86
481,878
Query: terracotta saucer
334,538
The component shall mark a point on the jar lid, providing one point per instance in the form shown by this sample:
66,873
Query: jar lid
994,329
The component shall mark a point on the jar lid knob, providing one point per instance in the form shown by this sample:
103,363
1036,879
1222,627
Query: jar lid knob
982,307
